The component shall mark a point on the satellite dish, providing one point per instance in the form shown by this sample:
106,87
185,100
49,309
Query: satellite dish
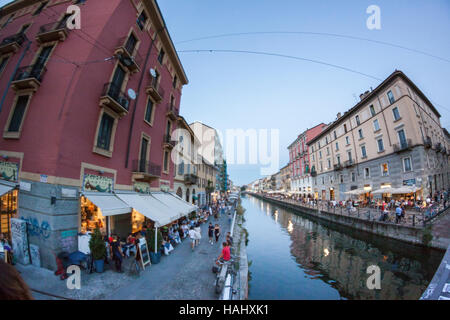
131,94
153,72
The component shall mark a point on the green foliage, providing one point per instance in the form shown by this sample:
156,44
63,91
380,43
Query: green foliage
97,245
192,215
240,210
150,237
427,236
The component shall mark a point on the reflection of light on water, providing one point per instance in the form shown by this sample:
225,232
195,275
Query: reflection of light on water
326,251
290,227
276,215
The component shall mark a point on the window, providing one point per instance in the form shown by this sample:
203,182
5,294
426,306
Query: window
372,110
40,8
161,55
24,28
174,83
347,140
3,63
338,158
131,44
326,140
141,20
329,164
384,170
334,133
349,153
320,154
149,111
18,114
366,173
360,132
407,164
105,132
39,65
166,161
357,120
345,128
337,146
376,125
328,151
341,178
181,168
380,145
143,156
402,138
391,97
353,177
363,151
396,114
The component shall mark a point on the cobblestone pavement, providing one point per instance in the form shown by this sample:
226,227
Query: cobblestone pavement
181,275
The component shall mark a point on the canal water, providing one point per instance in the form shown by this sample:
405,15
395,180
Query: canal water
295,257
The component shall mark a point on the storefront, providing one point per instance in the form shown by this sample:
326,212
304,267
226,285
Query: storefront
8,206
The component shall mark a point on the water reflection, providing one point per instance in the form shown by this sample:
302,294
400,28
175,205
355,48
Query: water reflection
337,257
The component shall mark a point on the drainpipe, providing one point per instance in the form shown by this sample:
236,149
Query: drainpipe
138,95
156,239
14,74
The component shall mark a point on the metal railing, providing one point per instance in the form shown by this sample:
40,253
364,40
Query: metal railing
427,142
19,38
168,139
190,178
155,86
130,50
404,145
113,90
172,108
143,166
34,71
438,147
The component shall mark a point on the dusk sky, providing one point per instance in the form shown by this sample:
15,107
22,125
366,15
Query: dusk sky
250,91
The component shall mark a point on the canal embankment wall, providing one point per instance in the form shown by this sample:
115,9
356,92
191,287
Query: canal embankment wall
410,234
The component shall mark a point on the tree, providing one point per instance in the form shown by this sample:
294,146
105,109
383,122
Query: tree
97,245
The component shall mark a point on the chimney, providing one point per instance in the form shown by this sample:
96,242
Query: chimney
338,115
363,95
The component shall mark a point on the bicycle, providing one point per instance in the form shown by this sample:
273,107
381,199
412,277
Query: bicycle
221,273
135,268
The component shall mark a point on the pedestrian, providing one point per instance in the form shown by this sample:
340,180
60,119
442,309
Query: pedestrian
12,286
211,233
229,217
398,214
225,255
192,237
217,232
198,234
116,253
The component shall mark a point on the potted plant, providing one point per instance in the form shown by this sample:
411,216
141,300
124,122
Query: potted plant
98,250
154,256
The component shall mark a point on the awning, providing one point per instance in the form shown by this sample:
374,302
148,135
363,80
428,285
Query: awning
179,207
383,190
405,190
148,206
108,203
6,186
357,192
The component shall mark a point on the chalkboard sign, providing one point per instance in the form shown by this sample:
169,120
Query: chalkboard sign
145,256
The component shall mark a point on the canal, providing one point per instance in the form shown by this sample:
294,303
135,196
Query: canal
294,256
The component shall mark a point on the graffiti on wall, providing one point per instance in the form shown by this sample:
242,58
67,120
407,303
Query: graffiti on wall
38,230
68,240
20,240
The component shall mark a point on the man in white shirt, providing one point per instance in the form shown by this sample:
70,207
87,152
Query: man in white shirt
192,237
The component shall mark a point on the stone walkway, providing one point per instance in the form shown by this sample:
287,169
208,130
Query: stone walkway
441,229
181,275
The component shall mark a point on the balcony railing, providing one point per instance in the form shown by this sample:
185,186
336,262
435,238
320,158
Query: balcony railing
12,43
29,77
427,142
402,146
146,167
337,167
155,90
167,140
54,31
438,147
128,55
114,98
172,112
349,163
190,178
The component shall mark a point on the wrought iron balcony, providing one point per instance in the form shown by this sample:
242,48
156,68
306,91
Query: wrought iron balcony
146,170
114,98
190,178
55,31
29,77
337,167
349,163
128,55
402,146
155,90
427,142
438,147
313,172
444,150
168,142
12,43
172,112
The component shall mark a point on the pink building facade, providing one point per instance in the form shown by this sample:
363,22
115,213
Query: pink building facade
300,162
84,110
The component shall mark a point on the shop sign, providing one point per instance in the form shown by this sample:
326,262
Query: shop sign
409,182
97,183
142,187
145,256
9,171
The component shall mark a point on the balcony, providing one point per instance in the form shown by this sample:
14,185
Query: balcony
337,167
172,112
115,99
29,77
444,150
427,142
402,146
349,163
438,147
154,90
190,179
128,55
55,31
313,172
145,171
12,43
168,142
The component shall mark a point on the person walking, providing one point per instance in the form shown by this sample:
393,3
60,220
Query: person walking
192,237
211,233
198,234
398,214
217,232
116,253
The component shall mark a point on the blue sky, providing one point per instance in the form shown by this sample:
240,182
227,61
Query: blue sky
231,90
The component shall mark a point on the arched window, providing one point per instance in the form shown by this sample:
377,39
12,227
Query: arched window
180,192
187,195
